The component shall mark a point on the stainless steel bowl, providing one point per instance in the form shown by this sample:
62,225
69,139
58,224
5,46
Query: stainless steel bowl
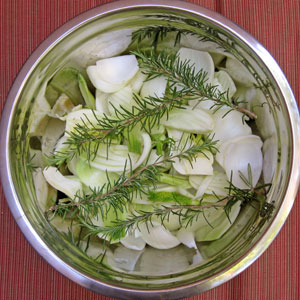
225,258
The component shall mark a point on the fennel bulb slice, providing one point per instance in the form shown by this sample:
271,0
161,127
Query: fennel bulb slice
237,155
200,60
111,74
69,186
157,236
188,119
229,124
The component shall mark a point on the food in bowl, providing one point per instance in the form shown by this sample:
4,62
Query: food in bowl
149,145
149,273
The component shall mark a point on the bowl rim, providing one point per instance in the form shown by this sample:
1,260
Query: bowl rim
182,290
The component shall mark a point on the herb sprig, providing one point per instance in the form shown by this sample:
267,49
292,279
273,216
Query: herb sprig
187,214
182,73
118,195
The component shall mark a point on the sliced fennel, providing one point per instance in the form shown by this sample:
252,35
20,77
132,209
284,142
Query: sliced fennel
202,180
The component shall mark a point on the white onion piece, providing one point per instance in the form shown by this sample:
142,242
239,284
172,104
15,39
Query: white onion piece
133,241
190,120
155,87
101,102
239,72
229,124
237,154
200,165
70,187
200,60
155,235
111,74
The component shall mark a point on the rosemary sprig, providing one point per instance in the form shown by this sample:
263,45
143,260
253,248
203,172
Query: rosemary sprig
187,213
87,136
119,194
182,73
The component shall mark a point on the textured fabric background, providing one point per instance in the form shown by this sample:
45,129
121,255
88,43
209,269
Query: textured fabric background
23,274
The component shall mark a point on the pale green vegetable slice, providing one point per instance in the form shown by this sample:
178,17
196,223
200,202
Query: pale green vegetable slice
111,74
220,225
92,177
43,190
137,81
86,94
225,83
203,186
157,236
176,180
120,100
155,87
62,106
214,185
200,60
201,164
87,117
69,186
133,241
64,81
115,160
258,104
64,225
37,159
106,45
156,262
190,120
101,102
126,258
146,150
187,238
55,129
229,124
192,41
239,72
270,158
39,116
